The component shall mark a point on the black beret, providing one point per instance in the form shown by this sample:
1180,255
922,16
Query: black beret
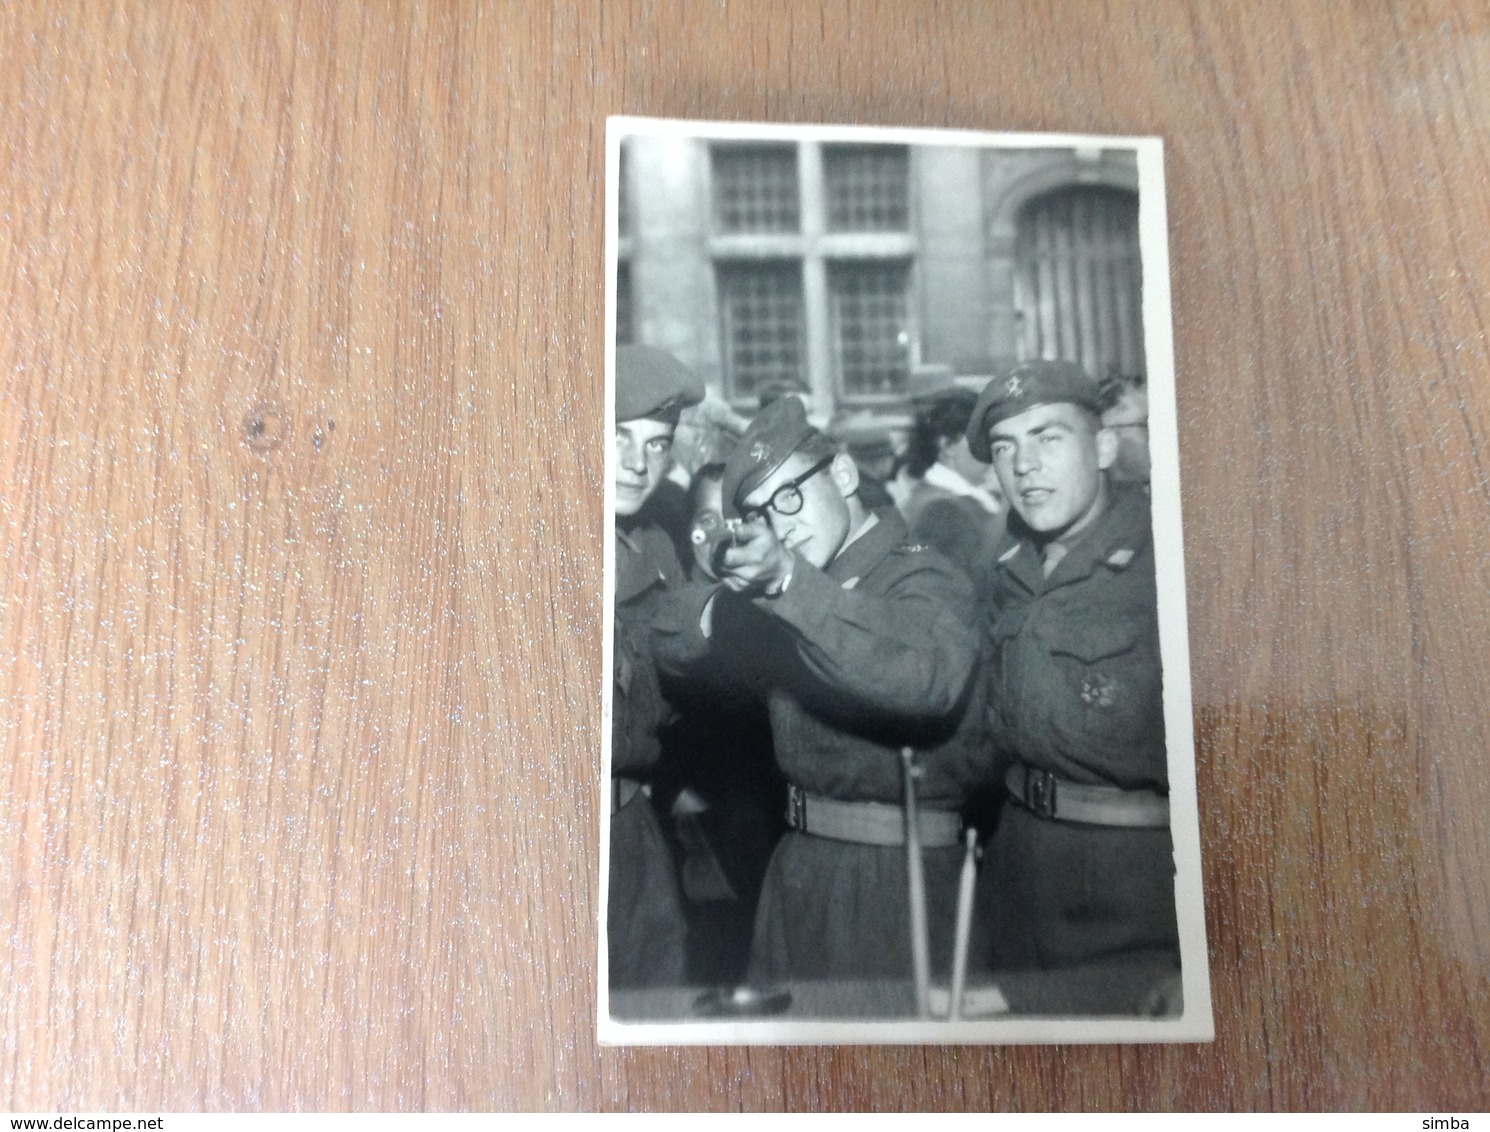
1026,385
652,383
777,431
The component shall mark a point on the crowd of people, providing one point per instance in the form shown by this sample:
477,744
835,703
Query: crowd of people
800,611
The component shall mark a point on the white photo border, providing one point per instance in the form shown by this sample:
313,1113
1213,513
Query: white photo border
1196,1023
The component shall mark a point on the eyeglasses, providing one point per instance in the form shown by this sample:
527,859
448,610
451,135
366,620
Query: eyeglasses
786,499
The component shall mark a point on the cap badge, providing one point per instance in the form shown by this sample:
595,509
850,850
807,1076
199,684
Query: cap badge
760,452
1015,386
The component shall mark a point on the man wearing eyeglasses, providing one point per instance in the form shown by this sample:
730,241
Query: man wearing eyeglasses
877,651
645,927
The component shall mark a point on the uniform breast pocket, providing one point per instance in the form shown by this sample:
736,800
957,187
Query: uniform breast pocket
1110,682
1097,639
1098,660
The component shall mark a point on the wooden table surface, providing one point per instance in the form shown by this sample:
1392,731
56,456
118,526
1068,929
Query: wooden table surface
300,536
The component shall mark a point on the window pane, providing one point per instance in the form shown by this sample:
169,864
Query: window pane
867,188
755,188
761,308
871,327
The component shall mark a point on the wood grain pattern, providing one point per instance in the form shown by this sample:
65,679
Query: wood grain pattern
300,716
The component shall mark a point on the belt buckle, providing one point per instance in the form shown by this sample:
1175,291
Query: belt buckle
1039,792
796,808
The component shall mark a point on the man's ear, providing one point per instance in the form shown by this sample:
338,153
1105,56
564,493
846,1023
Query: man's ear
846,473
1107,447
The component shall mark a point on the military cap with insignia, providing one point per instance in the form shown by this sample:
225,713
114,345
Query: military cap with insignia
652,383
1028,384
777,431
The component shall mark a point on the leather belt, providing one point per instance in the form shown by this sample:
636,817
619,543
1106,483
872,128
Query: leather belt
623,791
867,823
1057,799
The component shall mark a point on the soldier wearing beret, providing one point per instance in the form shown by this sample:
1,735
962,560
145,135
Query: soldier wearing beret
1080,870
644,922
874,651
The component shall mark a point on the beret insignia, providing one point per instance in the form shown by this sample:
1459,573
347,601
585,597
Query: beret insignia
1030,383
777,431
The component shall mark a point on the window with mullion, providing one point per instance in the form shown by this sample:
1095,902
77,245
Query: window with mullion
755,189
868,188
870,311
761,320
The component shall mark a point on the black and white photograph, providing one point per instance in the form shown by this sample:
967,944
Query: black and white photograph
898,741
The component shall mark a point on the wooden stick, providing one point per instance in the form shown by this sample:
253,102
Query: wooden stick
964,925
916,882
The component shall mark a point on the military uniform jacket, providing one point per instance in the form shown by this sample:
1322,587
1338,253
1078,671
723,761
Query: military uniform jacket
878,651
646,566
1074,679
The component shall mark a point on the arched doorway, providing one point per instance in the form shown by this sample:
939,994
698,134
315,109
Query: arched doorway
1078,281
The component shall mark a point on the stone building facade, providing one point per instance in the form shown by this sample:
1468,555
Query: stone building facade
843,267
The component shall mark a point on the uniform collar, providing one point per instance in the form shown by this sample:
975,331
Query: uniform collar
626,539
1117,536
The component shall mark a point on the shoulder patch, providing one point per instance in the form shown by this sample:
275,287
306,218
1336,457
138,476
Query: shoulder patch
1121,558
